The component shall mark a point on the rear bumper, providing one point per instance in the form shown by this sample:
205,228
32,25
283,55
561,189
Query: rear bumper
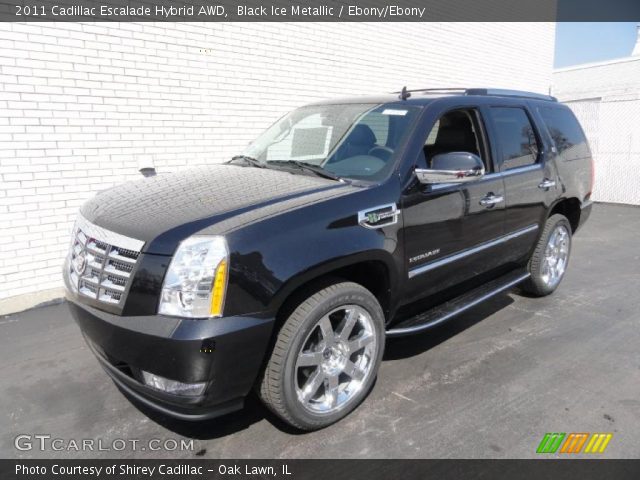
226,353
585,212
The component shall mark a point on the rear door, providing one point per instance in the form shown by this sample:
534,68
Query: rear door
529,180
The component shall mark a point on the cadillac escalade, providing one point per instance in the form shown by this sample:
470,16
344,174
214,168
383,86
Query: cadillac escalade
346,223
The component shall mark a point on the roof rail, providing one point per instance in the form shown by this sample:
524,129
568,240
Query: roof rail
498,92
436,90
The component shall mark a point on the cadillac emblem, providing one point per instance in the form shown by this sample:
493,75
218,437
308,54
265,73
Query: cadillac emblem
79,263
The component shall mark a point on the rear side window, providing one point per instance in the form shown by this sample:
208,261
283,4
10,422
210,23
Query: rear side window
516,137
566,132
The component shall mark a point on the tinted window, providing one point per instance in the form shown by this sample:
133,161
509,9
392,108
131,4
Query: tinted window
566,132
516,137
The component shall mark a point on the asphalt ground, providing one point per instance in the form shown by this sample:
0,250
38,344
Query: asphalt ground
488,384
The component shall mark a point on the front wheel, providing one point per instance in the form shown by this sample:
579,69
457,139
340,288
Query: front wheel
549,260
326,357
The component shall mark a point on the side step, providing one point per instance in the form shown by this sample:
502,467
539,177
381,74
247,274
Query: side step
447,310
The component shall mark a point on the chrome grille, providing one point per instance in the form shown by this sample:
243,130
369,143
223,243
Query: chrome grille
101,262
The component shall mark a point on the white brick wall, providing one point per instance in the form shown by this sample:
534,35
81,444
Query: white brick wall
82,105
593,80
606,99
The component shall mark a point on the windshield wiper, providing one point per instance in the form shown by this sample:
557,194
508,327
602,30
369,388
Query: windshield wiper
254,162
308,167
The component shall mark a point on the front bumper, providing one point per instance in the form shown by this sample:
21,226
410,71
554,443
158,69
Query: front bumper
227,353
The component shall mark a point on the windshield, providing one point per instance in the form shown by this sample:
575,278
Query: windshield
356,141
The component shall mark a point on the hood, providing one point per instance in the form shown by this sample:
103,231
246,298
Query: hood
163,210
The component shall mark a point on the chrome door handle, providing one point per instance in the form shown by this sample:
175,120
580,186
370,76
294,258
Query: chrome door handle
546,183
491,200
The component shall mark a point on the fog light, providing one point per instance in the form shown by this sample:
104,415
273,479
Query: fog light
173,386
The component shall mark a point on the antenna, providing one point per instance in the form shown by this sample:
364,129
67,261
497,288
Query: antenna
404,94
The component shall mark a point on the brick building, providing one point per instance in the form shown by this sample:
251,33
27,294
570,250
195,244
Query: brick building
83,106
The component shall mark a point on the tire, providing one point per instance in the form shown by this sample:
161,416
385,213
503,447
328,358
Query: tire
549,260
317,373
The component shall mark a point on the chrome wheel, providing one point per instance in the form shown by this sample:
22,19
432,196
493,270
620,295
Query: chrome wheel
556,256
336,359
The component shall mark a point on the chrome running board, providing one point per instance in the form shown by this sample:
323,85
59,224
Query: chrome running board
447,310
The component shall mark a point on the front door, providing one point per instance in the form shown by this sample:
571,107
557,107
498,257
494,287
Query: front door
449,228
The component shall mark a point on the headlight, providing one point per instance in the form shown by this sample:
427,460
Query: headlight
196,281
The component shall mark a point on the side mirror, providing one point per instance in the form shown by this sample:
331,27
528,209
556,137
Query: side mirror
453,167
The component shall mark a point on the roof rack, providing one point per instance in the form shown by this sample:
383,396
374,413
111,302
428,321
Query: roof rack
497,92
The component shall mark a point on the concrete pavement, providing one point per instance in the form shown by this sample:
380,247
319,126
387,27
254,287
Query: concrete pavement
489,384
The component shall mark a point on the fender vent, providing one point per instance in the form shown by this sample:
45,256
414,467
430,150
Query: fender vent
378,217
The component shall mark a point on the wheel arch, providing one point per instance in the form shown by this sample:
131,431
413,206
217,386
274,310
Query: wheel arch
361,269
376,273
570,208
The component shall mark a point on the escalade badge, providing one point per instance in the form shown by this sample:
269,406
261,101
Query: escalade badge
378,217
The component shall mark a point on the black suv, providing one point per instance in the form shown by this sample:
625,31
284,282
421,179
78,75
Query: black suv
347,222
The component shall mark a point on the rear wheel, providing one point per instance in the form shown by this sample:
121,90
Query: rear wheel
326,357
550,258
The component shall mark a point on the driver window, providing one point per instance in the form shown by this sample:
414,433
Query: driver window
455,131
431,139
